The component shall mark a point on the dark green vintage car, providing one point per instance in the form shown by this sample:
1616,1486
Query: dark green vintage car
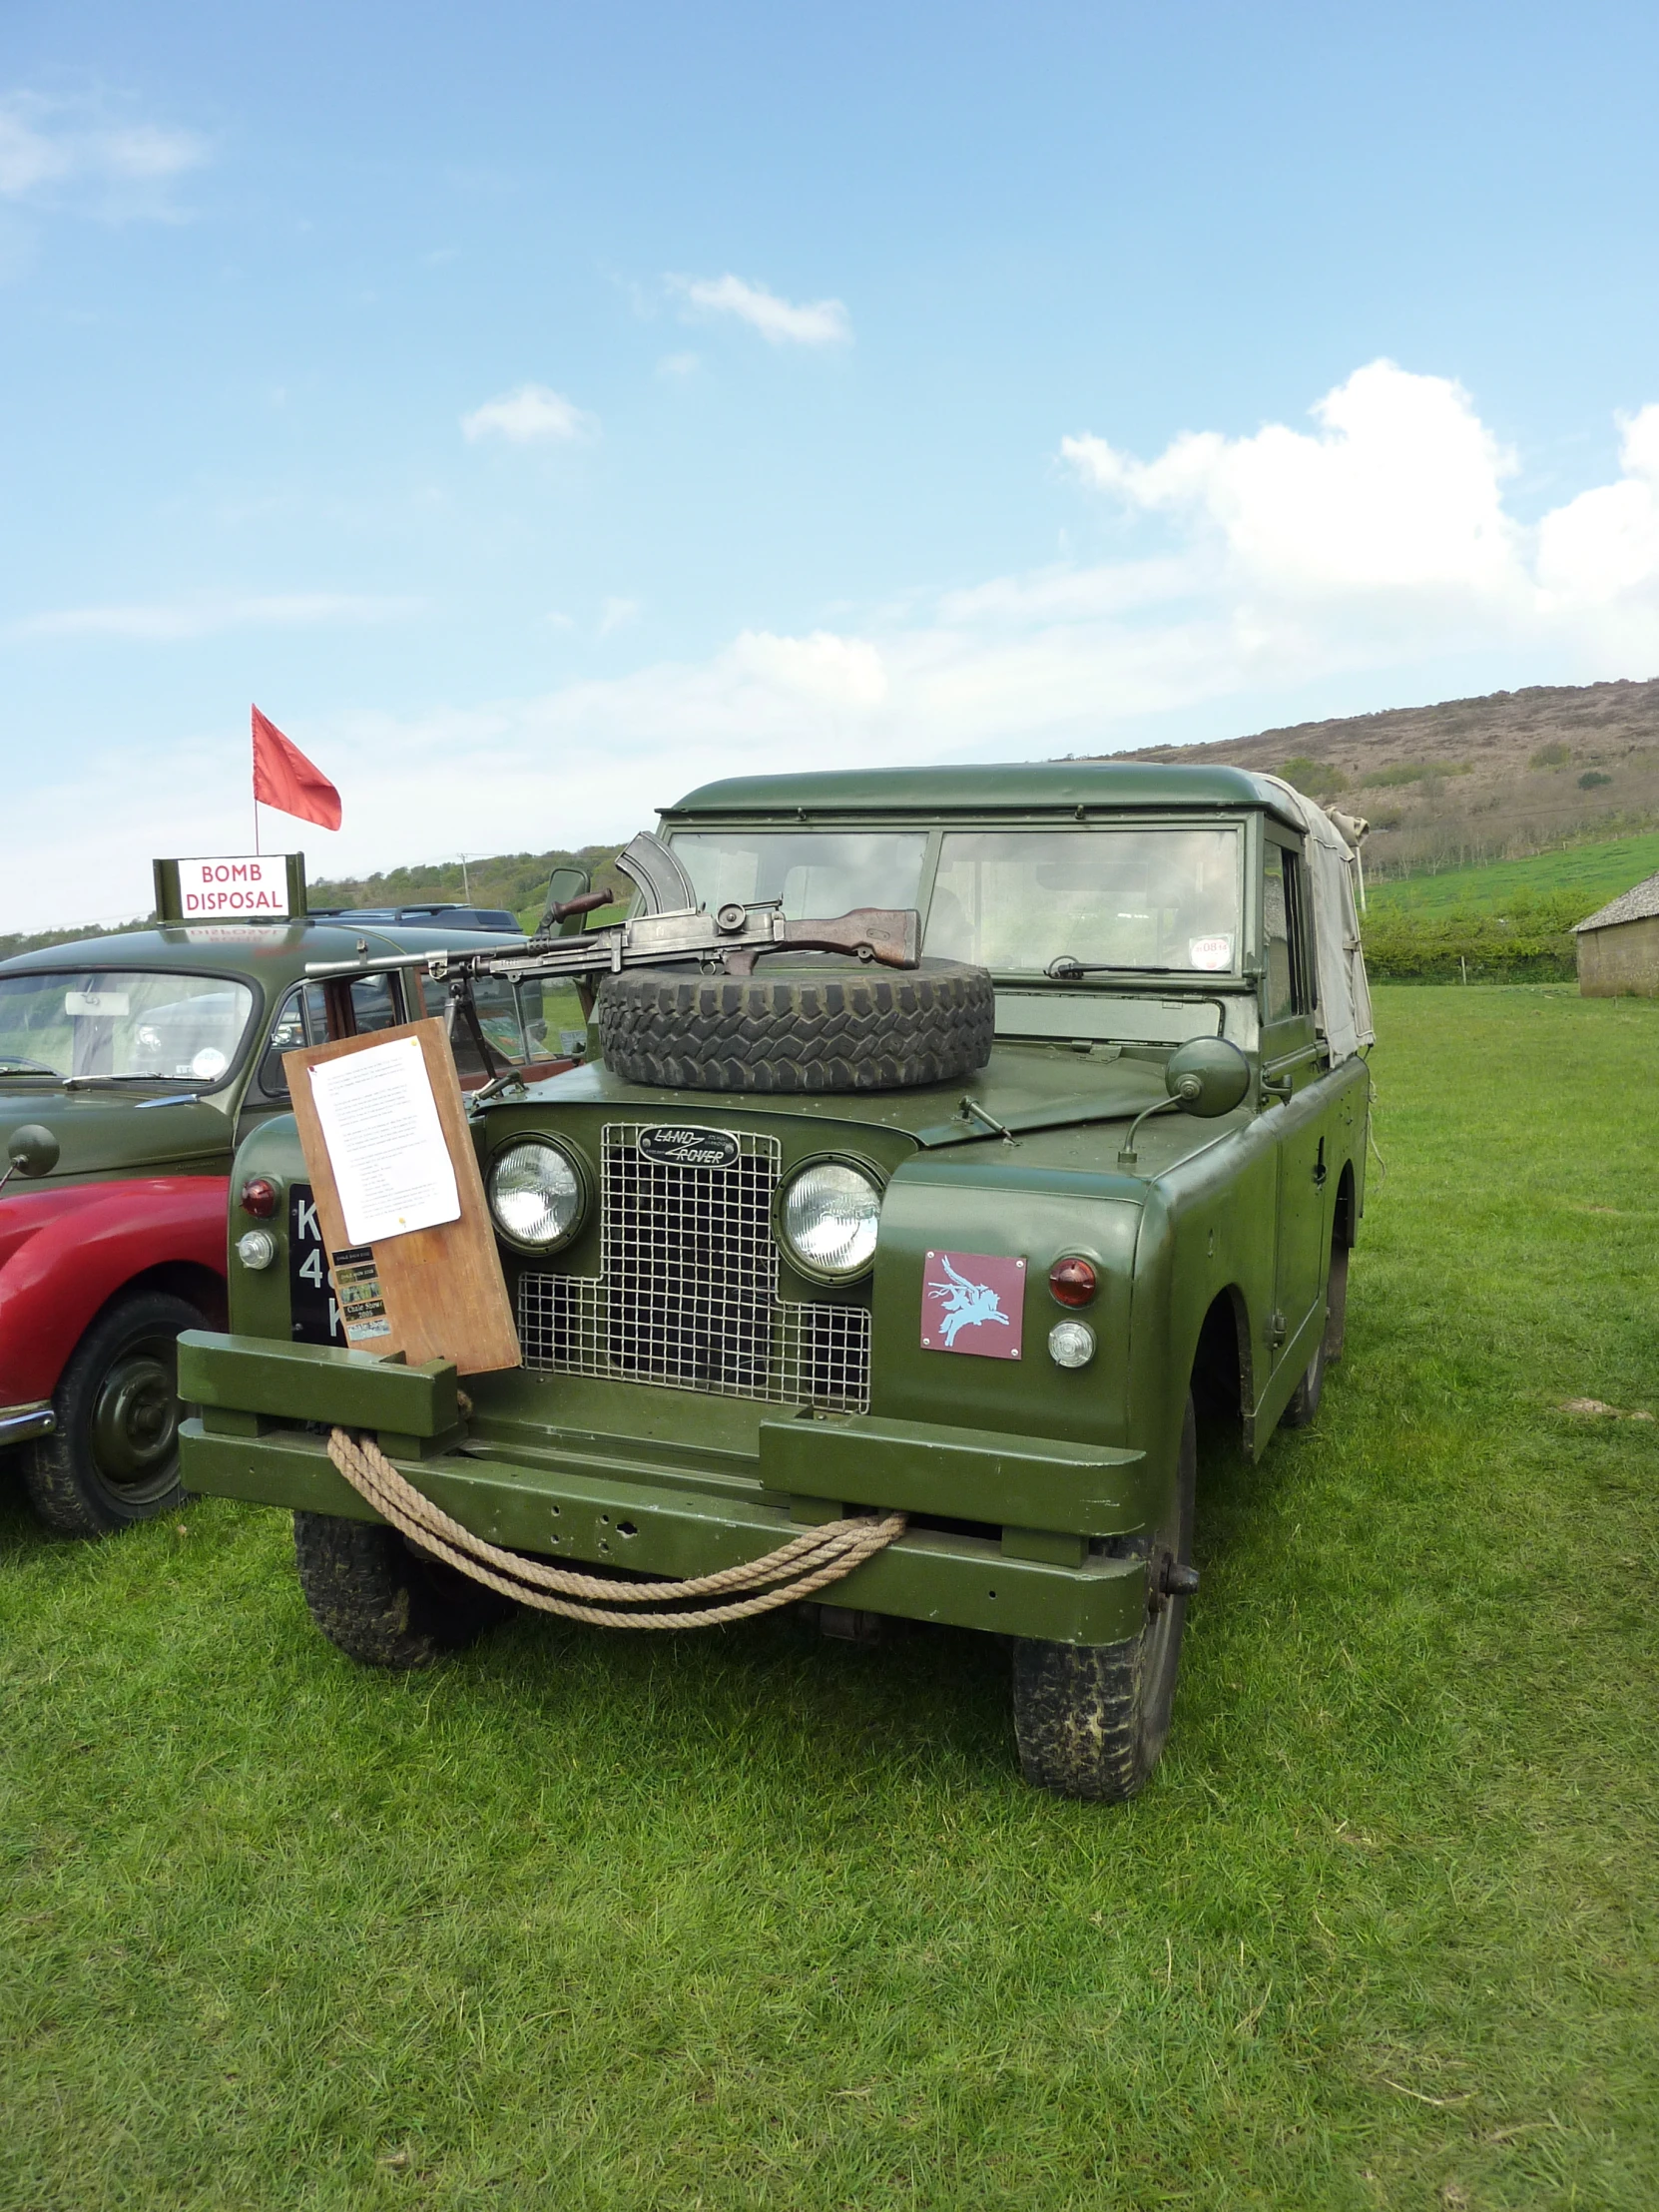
131,1067
982,1253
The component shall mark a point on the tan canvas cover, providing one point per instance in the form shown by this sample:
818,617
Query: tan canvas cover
1334,864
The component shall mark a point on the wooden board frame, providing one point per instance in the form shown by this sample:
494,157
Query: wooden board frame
444,1293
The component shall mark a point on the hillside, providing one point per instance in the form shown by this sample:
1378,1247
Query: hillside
1472,780
1575,881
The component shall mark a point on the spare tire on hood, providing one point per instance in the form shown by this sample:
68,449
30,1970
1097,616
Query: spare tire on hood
810,1023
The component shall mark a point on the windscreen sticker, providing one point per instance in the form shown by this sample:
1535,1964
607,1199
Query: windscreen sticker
973,1302
1210,952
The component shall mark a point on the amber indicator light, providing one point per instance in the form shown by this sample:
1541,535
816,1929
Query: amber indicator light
1073,1281
259,1198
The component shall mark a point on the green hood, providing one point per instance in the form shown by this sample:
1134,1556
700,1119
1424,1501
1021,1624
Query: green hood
137,1129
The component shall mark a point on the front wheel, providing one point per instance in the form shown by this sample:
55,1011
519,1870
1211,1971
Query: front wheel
114,1456
381,1601
1092,1719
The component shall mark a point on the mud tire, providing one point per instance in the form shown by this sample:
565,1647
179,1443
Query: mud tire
802,1026
113,1458
1304,1399
382,1602
1091,1720
1335,1304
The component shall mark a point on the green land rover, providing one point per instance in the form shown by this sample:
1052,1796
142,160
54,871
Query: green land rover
968,1245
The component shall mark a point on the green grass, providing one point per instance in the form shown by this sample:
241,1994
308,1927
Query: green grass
1585,876
589,1921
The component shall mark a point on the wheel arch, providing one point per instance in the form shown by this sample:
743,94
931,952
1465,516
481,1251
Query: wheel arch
1223,1380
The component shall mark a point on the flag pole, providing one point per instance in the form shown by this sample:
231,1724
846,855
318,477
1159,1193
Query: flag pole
255,754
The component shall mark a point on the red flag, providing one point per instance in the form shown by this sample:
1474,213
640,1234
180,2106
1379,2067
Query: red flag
285,779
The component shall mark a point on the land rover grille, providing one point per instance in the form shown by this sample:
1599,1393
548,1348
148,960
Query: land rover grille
686,1294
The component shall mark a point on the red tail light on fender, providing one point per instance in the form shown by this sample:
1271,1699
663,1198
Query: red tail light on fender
1073,1281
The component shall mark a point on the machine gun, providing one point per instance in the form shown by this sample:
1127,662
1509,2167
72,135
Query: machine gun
669,927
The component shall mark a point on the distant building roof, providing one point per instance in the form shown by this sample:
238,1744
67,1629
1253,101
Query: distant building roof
1636,904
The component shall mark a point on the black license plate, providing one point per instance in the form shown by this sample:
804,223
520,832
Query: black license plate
311,1301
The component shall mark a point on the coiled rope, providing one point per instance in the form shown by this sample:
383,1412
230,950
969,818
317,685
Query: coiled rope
807,1563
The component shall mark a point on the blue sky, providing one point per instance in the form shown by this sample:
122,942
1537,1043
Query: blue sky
538,411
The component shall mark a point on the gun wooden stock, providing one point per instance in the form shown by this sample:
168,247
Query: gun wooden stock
889,936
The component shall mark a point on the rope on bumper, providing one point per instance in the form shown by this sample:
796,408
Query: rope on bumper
807,1563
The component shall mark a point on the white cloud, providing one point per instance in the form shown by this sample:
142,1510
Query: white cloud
1368,561
528,414
780,322
170,622
617,614
678,365
50,147
1399,489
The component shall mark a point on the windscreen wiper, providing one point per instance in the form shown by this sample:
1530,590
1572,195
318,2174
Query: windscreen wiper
12,1063
97,1082
1063,967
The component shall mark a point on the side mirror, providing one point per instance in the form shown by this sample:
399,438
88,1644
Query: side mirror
1207,1077
566,884
33,1150
568,899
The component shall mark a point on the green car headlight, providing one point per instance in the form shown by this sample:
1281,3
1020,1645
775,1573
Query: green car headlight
828,1219
537,1194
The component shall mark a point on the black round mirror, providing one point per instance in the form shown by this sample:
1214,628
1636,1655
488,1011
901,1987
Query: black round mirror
1207,1077
33,1149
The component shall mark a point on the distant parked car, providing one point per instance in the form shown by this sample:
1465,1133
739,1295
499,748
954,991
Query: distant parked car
131,1067
425,917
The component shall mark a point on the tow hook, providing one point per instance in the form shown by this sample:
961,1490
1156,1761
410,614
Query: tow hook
1169,1580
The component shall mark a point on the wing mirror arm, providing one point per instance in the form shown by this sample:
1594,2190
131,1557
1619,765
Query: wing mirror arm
1207,1077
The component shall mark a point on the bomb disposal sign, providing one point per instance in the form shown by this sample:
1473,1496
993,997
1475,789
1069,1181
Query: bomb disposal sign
229,888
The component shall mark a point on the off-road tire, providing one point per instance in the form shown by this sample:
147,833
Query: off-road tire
113,1457
1091,1720
1310,1389
1335,1304
801,1025
1304,1399
382,1602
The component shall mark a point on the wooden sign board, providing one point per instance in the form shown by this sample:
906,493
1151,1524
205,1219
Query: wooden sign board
430,1293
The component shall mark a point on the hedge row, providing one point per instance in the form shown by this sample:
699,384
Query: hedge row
1489,948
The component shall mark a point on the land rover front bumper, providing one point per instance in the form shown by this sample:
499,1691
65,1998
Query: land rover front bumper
1012,1534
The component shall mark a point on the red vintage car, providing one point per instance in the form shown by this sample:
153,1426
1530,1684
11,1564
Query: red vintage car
131,1068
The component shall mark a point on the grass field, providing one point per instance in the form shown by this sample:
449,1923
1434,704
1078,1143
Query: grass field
754,1920
1586,875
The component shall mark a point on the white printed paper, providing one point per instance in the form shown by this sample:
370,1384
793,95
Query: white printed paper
385,1143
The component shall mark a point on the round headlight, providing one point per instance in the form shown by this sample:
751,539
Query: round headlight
536,1194
829,1217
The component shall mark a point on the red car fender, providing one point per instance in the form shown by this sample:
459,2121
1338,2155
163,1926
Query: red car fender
64,1253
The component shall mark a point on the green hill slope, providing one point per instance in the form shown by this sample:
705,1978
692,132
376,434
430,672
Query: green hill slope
1584,877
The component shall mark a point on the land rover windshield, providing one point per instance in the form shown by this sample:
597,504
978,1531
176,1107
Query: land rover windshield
121,1024
1160,900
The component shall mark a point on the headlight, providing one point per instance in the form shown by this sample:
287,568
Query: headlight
536,1194
828,1219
